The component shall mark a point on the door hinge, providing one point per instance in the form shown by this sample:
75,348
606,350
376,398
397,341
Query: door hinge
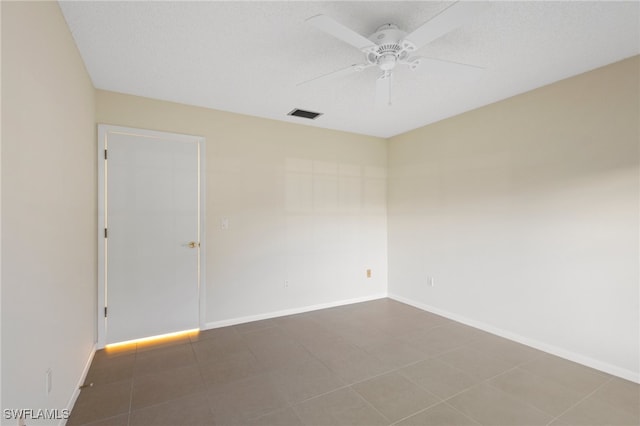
105,233
105,154
105,311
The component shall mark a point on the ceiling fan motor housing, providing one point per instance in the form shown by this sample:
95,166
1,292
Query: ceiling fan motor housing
388,49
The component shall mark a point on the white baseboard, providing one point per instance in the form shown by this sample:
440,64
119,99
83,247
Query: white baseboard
545,347
292,311
83,377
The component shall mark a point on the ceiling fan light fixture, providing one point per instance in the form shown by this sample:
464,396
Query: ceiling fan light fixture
387,62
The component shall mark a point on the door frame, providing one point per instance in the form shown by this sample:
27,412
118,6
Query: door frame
103,132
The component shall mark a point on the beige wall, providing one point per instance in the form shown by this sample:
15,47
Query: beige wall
48,208
305,205
525,213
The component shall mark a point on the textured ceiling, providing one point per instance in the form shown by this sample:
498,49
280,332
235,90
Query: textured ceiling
248,57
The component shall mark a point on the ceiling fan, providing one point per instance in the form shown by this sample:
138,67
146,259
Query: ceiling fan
389,46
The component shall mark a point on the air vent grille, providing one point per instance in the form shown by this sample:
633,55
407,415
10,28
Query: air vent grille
304,114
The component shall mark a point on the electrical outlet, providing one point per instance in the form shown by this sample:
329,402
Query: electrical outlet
47,381
286,283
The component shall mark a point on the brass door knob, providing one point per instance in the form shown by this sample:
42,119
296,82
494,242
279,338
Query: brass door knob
193,244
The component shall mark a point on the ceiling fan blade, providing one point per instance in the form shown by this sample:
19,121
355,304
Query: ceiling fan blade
335,74
439,66
455,16
383,90
339,31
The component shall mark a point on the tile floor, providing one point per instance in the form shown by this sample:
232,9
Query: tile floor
373,363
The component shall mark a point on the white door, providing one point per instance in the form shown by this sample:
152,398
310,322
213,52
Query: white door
152,233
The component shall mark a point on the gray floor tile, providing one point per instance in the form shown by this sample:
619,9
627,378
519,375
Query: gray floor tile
268,338
593,411
241,401
192,410
440,339
358,366
302,327
100,402
222,347
312,338
547,395
284,354
305,380
569,374
364,336
439,378
621,394
370,363
164,386
254,326
439,415
286,417
512,352
106,355
490,406
396,353
394,325
426,320
167,357
240,366
424,331
558,422
459,330
476,363
342,407
329,348
395,396
121,420
116,370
